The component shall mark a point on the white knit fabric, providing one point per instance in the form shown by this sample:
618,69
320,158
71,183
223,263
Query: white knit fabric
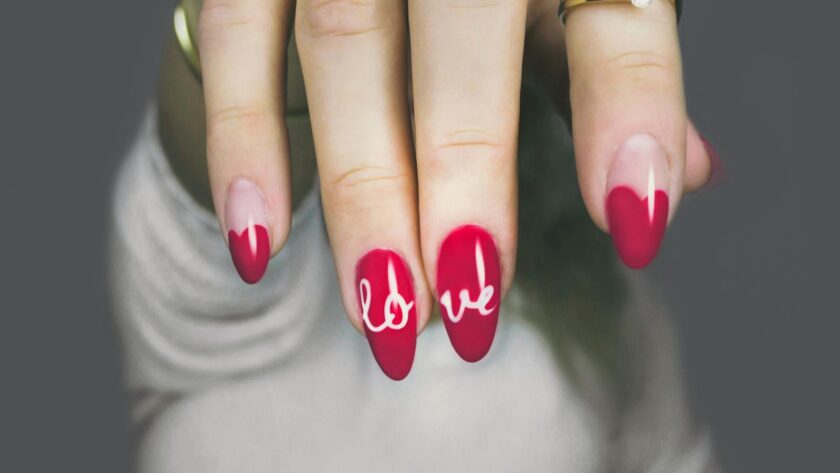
268,378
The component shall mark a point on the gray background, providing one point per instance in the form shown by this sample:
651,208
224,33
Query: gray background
749,268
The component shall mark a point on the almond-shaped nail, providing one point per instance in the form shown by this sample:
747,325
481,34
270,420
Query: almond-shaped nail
469,290
246,221
385,294
637,200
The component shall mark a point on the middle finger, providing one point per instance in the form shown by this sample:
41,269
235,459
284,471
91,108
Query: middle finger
466,70
353,59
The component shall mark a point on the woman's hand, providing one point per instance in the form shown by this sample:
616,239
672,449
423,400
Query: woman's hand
411,211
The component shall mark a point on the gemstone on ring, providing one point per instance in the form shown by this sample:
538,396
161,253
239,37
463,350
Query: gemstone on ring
566,5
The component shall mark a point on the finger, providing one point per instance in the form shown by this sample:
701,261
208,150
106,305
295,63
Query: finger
703,167
242,48
352,55
629,120
545,55
466,69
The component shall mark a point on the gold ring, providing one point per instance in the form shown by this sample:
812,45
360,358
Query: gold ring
567,5
185,40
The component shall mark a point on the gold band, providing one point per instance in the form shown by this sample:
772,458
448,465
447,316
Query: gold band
185,40
568,5
189,51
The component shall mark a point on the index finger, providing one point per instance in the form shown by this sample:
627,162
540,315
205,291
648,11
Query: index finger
243,46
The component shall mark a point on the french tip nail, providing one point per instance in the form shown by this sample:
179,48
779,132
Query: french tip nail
637,203
246,220
469,290
387,304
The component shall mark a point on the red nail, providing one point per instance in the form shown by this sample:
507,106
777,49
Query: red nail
250,250
385,294
247,224
636,225
637,204
469,290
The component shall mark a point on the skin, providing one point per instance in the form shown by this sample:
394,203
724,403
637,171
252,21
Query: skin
183,129
436,157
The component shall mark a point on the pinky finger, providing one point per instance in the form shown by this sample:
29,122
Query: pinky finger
703,167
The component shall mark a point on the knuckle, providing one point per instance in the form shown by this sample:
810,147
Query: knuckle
237,125
360,189
642,67
466,145
337,18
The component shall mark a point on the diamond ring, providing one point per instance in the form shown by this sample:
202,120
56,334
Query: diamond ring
567,5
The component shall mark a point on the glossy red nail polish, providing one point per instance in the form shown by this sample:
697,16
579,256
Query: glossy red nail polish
246,220
385,295
250,250
469,290
637,200
637,224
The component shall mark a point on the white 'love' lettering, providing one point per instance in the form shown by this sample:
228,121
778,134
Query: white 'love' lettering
484,295
394,297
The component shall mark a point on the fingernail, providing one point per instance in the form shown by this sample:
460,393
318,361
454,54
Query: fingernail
718,172
469,290
385,293
246,221
637,204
